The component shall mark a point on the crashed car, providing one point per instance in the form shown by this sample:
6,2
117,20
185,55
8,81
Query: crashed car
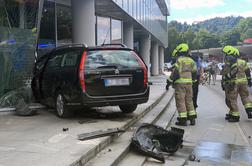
76,76
153,141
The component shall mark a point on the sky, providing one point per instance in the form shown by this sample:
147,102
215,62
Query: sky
192,11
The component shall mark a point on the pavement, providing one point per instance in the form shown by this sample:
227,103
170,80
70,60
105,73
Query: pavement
45,139
40,140
213,140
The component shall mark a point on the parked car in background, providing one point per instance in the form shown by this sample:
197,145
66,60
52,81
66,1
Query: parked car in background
75,76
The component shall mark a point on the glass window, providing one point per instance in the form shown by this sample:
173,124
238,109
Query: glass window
116,28
55,61
103,30
64,25
125,5
118,58
70,58
47,28
130,7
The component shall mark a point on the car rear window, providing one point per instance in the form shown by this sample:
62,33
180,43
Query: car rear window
118,58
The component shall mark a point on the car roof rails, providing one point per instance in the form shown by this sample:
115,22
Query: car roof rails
115,44
72,45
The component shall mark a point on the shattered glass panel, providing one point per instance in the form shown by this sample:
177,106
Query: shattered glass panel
18,33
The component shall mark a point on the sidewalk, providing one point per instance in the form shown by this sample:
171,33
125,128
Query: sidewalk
40,140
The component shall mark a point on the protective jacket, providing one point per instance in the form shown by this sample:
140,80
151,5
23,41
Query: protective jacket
185,71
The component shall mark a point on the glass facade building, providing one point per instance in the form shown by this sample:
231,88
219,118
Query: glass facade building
148,14
31,28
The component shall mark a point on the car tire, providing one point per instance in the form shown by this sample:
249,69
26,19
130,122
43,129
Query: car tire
128,108
60,107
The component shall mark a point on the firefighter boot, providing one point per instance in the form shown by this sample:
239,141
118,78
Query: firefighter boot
181,122
233,118
249,112
192,119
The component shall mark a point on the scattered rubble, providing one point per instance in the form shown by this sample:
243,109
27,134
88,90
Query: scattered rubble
153,141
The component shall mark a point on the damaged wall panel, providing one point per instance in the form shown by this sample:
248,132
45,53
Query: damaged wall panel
18,35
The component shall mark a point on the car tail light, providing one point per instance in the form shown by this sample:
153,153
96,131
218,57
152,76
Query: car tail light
141,63
81,71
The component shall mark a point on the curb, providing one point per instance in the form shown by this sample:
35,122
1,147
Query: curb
107,140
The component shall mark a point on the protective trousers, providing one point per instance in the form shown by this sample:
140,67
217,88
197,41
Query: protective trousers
184,103
231,98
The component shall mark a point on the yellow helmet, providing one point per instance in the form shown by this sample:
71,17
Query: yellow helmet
229,50
174,53
182,48
237,53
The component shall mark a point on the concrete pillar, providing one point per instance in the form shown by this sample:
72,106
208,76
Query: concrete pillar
154,59
145,46
22,15
161,60
128,34
84,21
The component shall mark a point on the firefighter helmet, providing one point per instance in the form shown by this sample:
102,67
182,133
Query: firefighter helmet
182,48
229,50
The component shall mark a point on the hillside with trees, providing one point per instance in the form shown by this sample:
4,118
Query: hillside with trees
211,33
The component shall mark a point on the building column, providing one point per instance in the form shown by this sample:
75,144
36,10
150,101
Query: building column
128,34
84,22
145,46
154,59
22,15
161,60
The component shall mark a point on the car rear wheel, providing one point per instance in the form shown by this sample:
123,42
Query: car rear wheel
128,108
61,109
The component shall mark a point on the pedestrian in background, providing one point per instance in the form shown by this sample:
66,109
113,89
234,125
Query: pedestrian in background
183,75
213,72
200,72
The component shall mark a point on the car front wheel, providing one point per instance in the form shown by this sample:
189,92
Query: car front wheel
128,108
61,109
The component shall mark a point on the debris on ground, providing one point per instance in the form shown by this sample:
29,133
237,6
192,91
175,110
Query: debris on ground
19,100
99,133
65,129
153,141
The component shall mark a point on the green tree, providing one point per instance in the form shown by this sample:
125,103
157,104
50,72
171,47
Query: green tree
231,37
173,41
188,37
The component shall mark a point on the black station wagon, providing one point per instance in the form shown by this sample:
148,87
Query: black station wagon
78,76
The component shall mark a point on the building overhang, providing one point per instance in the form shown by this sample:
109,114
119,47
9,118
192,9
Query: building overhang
163,5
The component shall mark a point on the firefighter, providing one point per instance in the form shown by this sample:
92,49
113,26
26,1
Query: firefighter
236,78
182,77
173,61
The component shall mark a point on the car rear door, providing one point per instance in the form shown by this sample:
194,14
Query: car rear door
51,77
69,73
113,72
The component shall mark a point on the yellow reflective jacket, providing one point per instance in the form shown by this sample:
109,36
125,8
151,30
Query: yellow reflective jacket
242,73
184,71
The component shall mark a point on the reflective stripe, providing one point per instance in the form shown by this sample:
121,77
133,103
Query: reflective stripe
182,114
176,66
241,80
184,80
191,113
248,105
235,113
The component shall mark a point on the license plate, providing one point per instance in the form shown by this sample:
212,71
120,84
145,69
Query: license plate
116,82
